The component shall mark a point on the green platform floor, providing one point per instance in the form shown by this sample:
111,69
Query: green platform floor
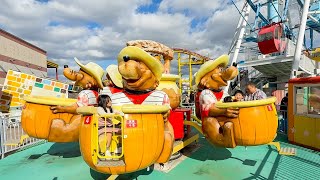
54,161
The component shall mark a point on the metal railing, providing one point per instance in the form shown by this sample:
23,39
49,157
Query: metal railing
12,136
116,149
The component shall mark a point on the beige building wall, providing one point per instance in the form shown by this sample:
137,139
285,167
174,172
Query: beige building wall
17,51
19,55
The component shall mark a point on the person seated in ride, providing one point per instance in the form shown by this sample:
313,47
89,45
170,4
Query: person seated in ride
105,125
113,81
228,99
237,96
211,78
89,78
253,93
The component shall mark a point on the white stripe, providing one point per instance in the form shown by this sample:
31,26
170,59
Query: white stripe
118,96
157,93
105,91
155,98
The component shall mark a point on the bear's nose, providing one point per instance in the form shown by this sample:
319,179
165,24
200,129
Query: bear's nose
65,66
126,58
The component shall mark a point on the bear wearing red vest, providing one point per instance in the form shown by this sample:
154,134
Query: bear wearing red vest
141,74
89,78
211,78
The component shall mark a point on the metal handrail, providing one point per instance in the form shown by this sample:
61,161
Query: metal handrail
116,119
12,136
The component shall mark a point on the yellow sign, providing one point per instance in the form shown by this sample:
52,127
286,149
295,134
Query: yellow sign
18,84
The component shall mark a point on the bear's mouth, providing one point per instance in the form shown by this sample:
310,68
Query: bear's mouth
220,80
131,81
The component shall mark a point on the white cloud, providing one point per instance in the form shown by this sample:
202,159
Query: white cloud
97,30
101,11
95,53
95,41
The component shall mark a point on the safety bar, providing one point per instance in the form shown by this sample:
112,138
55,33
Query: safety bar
116,119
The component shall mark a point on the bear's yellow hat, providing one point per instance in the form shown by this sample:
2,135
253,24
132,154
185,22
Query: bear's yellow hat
211,65
137,54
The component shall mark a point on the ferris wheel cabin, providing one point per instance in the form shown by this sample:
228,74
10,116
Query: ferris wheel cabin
270,39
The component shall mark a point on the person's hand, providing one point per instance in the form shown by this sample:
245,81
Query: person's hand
57,109
232,112
306,52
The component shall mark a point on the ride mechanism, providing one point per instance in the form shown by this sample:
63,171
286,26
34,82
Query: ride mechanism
144,133
278,40
273,37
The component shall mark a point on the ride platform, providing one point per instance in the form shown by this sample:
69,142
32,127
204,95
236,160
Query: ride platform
59,161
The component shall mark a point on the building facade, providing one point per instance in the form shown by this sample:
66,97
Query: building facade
19,55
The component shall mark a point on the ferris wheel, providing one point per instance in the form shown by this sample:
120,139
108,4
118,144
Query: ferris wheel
272,37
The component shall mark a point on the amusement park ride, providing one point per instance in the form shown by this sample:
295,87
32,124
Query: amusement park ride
147,122
144,115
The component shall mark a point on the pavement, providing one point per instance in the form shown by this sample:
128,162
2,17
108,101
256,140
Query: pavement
63,161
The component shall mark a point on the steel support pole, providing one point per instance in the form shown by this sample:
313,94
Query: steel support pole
179,72
297,54
236,33
190,75
241,34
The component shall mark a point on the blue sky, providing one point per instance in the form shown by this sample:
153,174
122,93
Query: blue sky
149,8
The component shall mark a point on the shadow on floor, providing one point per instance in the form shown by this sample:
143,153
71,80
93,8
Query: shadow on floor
100,176
209,152
35,156
281,168
66,150
257,174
